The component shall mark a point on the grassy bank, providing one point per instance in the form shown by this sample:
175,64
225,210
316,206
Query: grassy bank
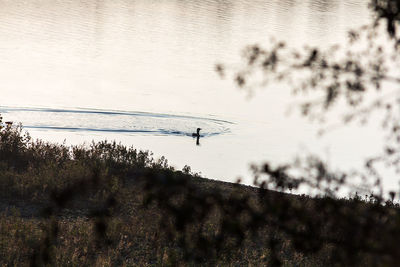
109,205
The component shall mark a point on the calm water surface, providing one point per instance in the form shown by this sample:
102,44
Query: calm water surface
142,72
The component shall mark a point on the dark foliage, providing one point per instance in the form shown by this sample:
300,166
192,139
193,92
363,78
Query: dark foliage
337,86
196,220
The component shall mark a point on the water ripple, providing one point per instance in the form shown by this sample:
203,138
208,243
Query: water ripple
130,122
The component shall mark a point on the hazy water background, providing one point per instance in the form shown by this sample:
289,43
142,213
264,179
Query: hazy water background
142,72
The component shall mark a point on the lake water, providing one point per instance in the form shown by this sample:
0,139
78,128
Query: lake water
143,73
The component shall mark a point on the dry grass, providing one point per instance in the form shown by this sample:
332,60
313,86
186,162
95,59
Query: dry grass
108,205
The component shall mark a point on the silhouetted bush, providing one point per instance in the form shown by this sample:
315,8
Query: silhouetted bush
106,204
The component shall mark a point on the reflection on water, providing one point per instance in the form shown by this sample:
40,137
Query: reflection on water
158,57
148,55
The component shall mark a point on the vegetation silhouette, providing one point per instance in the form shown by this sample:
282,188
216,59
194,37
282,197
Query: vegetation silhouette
106,204
111,205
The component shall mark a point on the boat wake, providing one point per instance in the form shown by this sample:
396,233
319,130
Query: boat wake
93,120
